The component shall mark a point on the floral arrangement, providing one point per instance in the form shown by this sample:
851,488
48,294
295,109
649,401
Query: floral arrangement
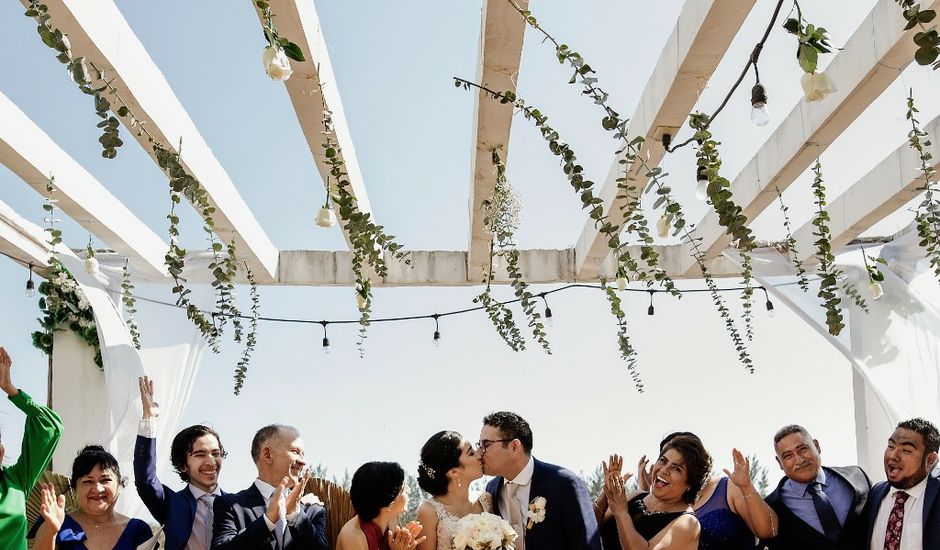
65,306
484,532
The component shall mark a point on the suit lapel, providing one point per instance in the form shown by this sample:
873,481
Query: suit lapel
537,486
191,500
497,486
254,501
930,497
877,495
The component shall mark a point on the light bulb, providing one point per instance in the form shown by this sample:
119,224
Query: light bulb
760,115
30,288
549,320
771,312
326,346
651,310
437,338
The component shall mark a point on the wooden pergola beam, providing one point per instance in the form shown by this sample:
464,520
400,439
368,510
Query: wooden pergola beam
32,155
22,239
870,61
698,42
501,36
99,32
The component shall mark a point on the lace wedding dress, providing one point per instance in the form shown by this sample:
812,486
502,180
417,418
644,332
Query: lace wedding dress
447,522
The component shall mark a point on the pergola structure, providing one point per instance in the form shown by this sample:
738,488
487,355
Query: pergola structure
868,64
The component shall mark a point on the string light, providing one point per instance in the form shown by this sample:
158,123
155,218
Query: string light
651,310
30,285
437,330
549,321
760,116
326,340
769,305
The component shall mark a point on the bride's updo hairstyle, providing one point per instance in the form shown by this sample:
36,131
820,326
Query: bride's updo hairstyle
440,454
374,486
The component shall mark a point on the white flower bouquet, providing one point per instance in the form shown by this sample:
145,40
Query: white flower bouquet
484,532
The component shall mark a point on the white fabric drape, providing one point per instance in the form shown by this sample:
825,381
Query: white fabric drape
104,408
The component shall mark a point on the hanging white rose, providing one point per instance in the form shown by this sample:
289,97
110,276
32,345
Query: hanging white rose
621,283
91,265
662,227
326,218
876,290
361,301
276,64
816,86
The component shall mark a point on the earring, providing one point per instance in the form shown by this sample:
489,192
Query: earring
458,482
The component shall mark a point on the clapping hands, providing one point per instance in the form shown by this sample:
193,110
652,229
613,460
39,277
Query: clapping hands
405,538
614,483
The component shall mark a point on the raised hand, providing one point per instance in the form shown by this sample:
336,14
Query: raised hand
6,382
151,408
644,474
292,502
741,476
277,501
614,483
53,508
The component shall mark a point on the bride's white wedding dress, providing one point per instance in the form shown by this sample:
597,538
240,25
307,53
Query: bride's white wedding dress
447,522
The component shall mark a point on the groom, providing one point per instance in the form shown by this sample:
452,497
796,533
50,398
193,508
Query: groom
547,505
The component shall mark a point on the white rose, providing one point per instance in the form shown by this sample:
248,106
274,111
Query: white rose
83,304
876,290
621,283
91,265
326,218
361,301
310,499
276,64
662,227
816,86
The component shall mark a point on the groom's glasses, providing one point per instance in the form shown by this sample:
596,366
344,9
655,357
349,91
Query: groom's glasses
484,443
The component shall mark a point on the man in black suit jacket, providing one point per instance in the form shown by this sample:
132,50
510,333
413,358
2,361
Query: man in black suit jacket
904,513
547,505
262,517
819,508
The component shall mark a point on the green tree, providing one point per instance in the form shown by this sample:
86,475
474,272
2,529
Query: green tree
759,475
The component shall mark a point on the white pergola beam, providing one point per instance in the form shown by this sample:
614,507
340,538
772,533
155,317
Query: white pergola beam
32,155
99,32
501,36
702,35
886,188
864,69
21,238
298,21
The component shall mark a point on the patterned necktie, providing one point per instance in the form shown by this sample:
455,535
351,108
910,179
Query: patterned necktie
515,515
204,519
825,511
895,522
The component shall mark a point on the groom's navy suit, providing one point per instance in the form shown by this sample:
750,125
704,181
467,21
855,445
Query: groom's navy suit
239,525
569,522
931,514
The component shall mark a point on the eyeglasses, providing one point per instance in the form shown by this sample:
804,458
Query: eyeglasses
484,443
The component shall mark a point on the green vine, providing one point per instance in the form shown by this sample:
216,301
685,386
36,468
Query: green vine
811,40
927,217
792,253
276,41
78,71
127,297
627,352
927,40
500,314
242,368
64,306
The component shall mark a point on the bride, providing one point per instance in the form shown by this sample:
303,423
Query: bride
448,465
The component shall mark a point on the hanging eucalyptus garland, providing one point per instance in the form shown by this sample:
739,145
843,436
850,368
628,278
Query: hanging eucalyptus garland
130,309
793,254
926,40
627,352
927,217
252,339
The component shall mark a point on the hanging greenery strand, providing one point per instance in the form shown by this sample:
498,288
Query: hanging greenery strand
130,309
627,352
792,253
499,313
252,339
927,217
927,40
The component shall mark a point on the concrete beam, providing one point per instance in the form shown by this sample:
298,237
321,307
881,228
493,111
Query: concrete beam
698,42
867,65
886,188
32,155
22,239
501,36
99,32
298,21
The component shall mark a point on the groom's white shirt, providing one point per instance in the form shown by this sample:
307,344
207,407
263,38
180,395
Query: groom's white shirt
524,481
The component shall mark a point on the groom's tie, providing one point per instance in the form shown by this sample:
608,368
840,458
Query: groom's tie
515,515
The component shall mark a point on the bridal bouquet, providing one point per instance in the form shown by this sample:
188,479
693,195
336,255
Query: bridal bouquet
484,532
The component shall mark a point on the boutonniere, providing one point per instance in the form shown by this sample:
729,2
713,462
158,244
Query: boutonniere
536,513
310,499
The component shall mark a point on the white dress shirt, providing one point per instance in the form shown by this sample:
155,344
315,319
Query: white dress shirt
912,532
267,491
201,535
524,481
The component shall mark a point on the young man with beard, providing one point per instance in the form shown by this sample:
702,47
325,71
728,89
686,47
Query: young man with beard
196,455
904,513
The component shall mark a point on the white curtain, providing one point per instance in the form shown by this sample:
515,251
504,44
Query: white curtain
104,408
894,348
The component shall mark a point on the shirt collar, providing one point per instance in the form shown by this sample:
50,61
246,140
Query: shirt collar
265,489
915,492
198,493
800,488
525,476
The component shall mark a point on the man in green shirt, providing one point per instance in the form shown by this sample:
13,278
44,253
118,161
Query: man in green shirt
43,429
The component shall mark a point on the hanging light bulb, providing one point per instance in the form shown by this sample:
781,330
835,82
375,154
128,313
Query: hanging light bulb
760,116
549,321
30,285
771,312
701,184
651,310
326,341
437,331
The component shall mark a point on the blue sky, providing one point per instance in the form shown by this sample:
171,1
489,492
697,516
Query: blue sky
393,63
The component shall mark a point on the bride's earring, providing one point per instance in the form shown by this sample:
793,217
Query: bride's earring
458,482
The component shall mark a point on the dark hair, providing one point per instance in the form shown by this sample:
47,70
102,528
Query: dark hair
927,430
512,426
266,434
374,486
183,445
674,435
91,456
698,463
438,455
788,430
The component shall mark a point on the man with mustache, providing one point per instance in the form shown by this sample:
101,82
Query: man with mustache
904,512
819,508
196,455
266,516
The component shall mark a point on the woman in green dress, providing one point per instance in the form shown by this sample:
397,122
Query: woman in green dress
43,429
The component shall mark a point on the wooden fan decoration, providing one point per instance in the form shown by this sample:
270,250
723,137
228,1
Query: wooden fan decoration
62,487
339,508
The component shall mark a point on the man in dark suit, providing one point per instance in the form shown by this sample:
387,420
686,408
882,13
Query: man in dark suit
904,513
547,505
263,517
819,508
196,455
